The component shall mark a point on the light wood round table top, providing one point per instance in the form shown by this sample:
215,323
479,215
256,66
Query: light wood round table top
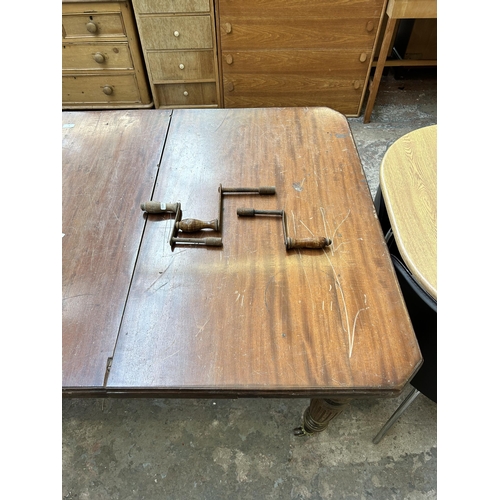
408,180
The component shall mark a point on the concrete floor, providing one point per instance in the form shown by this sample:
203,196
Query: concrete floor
244,448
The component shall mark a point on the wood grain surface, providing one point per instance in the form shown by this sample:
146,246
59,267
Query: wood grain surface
109,164
251,318
408,179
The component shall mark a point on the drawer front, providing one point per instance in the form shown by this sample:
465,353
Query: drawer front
311,63
187,94
170,6
176,32
248,91
283,10
267,34
90,89
181,65
96,56
93,25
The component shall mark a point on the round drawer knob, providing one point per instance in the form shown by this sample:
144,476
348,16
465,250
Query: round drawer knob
186,93
363,57
91,27
357,84
99,58
229,28
107,90
229,59
369,26
176,33
181,66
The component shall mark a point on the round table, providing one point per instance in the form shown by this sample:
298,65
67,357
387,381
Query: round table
408,181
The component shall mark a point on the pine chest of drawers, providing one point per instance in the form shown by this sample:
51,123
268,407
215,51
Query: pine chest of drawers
102,65
297,52
180,51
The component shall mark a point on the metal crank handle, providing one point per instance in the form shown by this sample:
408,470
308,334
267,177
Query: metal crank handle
158,207
257,190
193,225
318,242
209,242
251,212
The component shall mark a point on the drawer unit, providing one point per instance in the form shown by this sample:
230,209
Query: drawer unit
297,52
180,51
102,64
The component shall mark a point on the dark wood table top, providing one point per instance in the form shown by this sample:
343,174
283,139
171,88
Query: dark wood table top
110,161
248,318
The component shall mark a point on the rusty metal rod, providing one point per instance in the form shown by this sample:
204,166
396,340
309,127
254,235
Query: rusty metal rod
256,190
250,212
211,242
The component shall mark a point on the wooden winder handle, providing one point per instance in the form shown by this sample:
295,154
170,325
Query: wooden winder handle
158,207
213,242
246,212
193,225
318,242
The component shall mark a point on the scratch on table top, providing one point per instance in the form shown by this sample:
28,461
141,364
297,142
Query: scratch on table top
239,296
354,328
201,328
162,273
221,122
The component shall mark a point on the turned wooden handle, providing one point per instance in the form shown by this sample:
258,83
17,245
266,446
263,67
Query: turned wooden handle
158,207
193,225
246,212
318,242
213,242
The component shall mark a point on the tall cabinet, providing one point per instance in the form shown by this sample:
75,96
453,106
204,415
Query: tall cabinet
102,65
180,51
297,52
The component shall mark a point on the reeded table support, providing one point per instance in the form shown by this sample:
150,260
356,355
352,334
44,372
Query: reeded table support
319,414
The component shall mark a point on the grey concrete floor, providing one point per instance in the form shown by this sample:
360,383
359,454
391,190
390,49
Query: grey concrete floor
245,448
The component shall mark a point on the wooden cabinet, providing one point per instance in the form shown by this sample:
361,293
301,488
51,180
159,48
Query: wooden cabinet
180,51
102,65
297,52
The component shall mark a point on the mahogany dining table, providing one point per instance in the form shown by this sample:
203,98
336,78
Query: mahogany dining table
235,312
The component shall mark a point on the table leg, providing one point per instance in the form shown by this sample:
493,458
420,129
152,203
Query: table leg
318,415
